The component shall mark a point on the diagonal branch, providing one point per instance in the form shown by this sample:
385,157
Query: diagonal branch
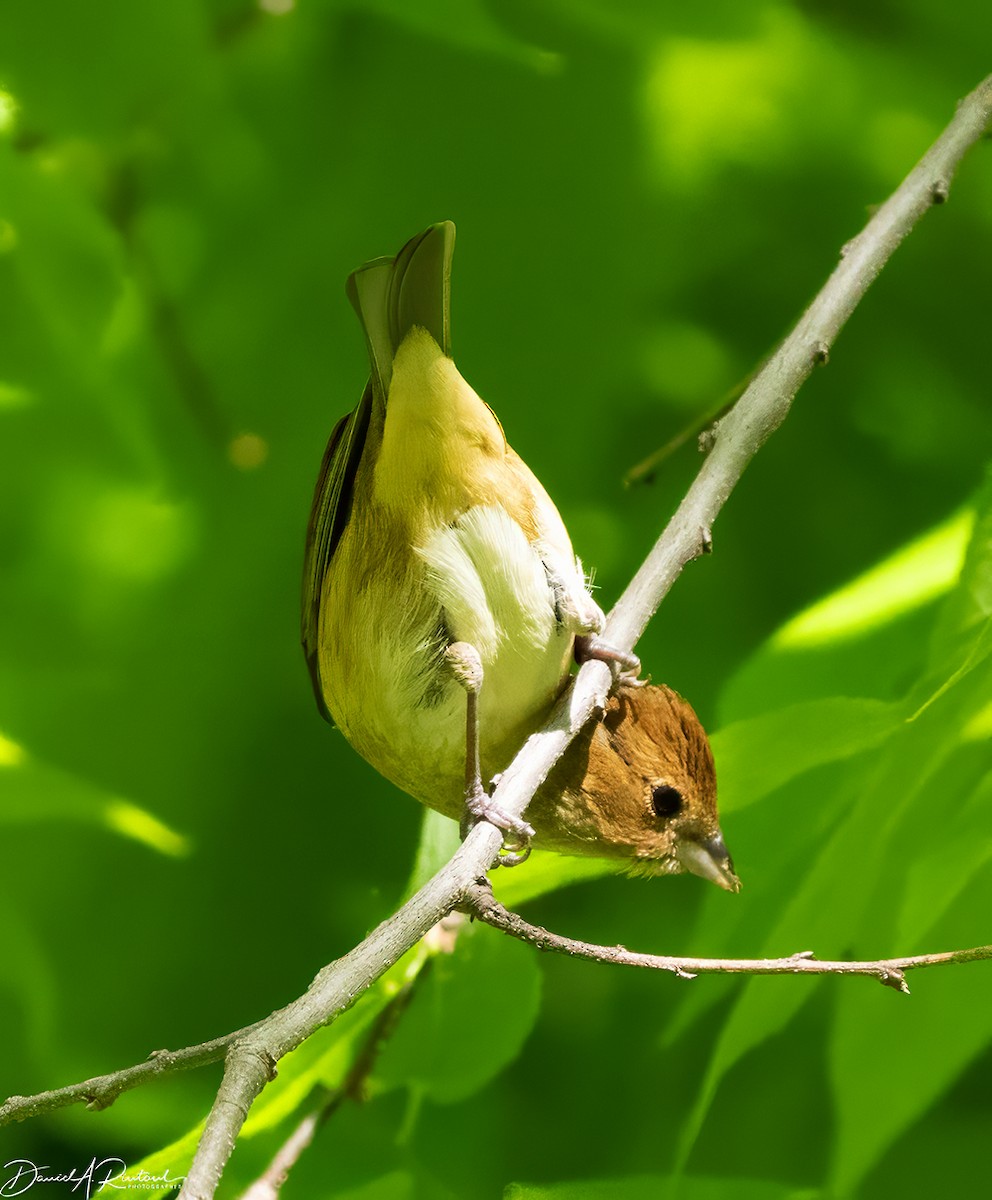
739,435
268,1185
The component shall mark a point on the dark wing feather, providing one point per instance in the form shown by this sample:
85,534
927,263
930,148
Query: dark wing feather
329,514
390,296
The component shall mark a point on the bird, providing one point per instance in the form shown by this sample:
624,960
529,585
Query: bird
443,604
638,784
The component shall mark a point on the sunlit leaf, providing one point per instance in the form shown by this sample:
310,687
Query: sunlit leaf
169,1164
31,791
910,578
545,872
866,639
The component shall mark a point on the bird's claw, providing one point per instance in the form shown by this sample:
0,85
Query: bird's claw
517,834
626,667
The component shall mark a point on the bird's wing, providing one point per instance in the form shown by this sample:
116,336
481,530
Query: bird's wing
390,296
328,517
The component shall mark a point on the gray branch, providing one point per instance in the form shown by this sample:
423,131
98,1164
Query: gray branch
481,903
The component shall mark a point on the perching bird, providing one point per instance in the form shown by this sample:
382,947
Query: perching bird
639,785
434,554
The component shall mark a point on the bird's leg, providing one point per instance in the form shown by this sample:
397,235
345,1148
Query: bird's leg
466,666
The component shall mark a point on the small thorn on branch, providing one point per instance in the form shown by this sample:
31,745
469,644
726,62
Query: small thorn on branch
893,978
821,355
939,191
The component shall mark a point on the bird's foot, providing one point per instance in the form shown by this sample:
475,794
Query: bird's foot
626,667
517,834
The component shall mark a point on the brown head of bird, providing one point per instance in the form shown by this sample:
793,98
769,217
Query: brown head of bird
639,784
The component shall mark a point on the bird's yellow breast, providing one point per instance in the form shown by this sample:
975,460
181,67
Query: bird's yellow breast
450,539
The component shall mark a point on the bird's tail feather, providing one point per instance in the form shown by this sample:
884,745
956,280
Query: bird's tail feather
392,295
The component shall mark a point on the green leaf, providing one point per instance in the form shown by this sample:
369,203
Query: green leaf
26,973
31,791
868,638
439,839
658,1187
322,1060
467,1021
911,578
397,1185
170,1163
466,23
970,604
944,865
933,892
545,872
829,905
756,756
542,872
891,1062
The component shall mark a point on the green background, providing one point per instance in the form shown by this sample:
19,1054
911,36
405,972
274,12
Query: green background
646,198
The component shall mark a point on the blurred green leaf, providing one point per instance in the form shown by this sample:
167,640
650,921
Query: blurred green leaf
492,984
397,1185
970,605
170,1163
867,638
467,23
27,974
887,1065
651,1187
544,872
892,788
31,791
439,839
754,757
541,873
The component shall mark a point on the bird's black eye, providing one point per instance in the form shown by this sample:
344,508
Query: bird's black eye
666,800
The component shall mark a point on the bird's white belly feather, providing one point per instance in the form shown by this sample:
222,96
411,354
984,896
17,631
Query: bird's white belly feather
483,583
494,590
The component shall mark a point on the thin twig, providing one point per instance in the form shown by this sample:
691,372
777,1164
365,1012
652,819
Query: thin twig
481,903
103,1090
252,1055
269,1183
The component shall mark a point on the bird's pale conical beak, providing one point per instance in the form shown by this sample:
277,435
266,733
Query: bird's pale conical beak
710,860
